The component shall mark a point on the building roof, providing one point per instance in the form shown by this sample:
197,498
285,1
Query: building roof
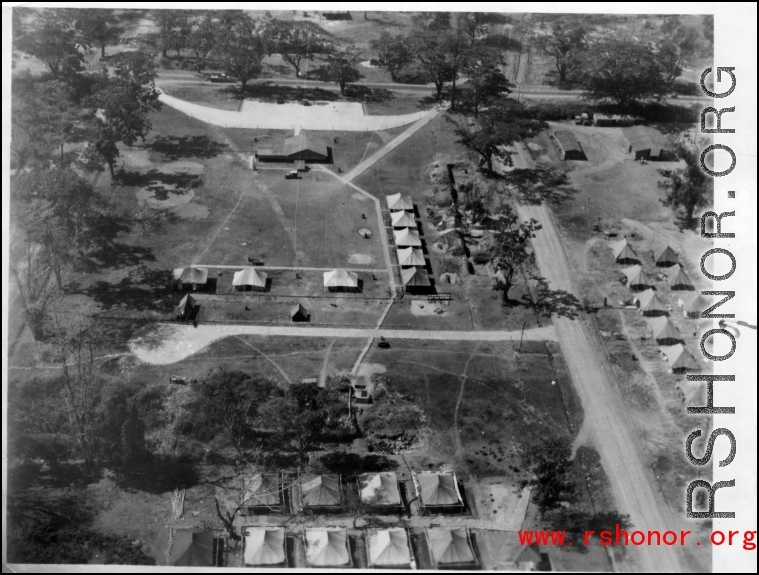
676,276
645,138
191,275
568,141
388,547
450,546
263,490
665,254
622,251
678,357
321,491
407,237
380,488
264,546
402,219
636,277
249,277
411,257
437,488
664,329
191,548
187,302
399,202
302,143
415,277
340,278
327,547
649,301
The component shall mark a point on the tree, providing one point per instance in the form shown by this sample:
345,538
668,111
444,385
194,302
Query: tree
485,79
433,58
296,41
510,248
678,45
52,39
688,188
342,60
203,37
622,70
550,462
98,28
242,48
565,44
394,53
170,24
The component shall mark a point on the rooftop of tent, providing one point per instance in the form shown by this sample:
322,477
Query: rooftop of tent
264,546
568,141
380,488
437,489
320,491
327,547
450,546
388,547
191,548
645,138
263,490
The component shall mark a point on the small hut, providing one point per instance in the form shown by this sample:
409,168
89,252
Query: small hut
665,257
678,280
623,253
298,313
650,304
187,308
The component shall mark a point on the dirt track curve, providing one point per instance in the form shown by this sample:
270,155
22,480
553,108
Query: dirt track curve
606,417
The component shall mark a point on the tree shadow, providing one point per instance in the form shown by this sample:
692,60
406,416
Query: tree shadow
353,464
158,475
145,289
175,147
158,182
537,185
557,302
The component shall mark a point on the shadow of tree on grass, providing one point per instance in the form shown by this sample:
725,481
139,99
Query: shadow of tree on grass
175,147
145,289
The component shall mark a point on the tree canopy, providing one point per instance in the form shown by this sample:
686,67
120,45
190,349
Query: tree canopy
688,188
296,41
510,248
242,48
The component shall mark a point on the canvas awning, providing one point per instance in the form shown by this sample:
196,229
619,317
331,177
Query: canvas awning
380,488
415,277
191,548
665,256
264,546
650,302
262,490
340,278
411,257
623,251
678,357
321,491
636,278
407,237
678,280
327,547
191,275
402,220
399,202
663,329
450,546
249,277
388,548
436,489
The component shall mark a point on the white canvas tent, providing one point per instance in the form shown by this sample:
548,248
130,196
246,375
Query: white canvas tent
679,358
436,489
623,253
398,202
693,304
450,546
650,304
678,280
264,546
407,237
327,547
411,257
340,279
380,488
388,548
665,257
636,279
402,220
191,277
249,278
415,278
664,331
321,491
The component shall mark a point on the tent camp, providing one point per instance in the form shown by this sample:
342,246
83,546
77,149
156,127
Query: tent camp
340,280
416,280
388,548
264,546
664,331
249,279
399,202
438,491
263,494
321,491
678,280
665,257
407,237
402,219
650,304
679,359
693,304
327,547
570,147
647,143
187,308
191,279
189,548
623,253
450,547
411,257
380,489
636,279
298,313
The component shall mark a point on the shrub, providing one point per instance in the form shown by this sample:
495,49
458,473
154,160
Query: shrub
481,258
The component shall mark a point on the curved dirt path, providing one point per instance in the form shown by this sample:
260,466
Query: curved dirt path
171,343
606,418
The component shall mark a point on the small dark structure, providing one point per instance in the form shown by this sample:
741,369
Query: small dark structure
337,15
300,148
569,145
298,313
187,308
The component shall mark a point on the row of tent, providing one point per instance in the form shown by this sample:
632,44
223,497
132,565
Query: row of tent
664,256
408,242
638,280
253,279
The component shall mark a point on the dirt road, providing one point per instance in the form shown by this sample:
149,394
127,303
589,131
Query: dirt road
606,418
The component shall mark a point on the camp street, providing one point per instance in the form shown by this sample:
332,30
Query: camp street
172,342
